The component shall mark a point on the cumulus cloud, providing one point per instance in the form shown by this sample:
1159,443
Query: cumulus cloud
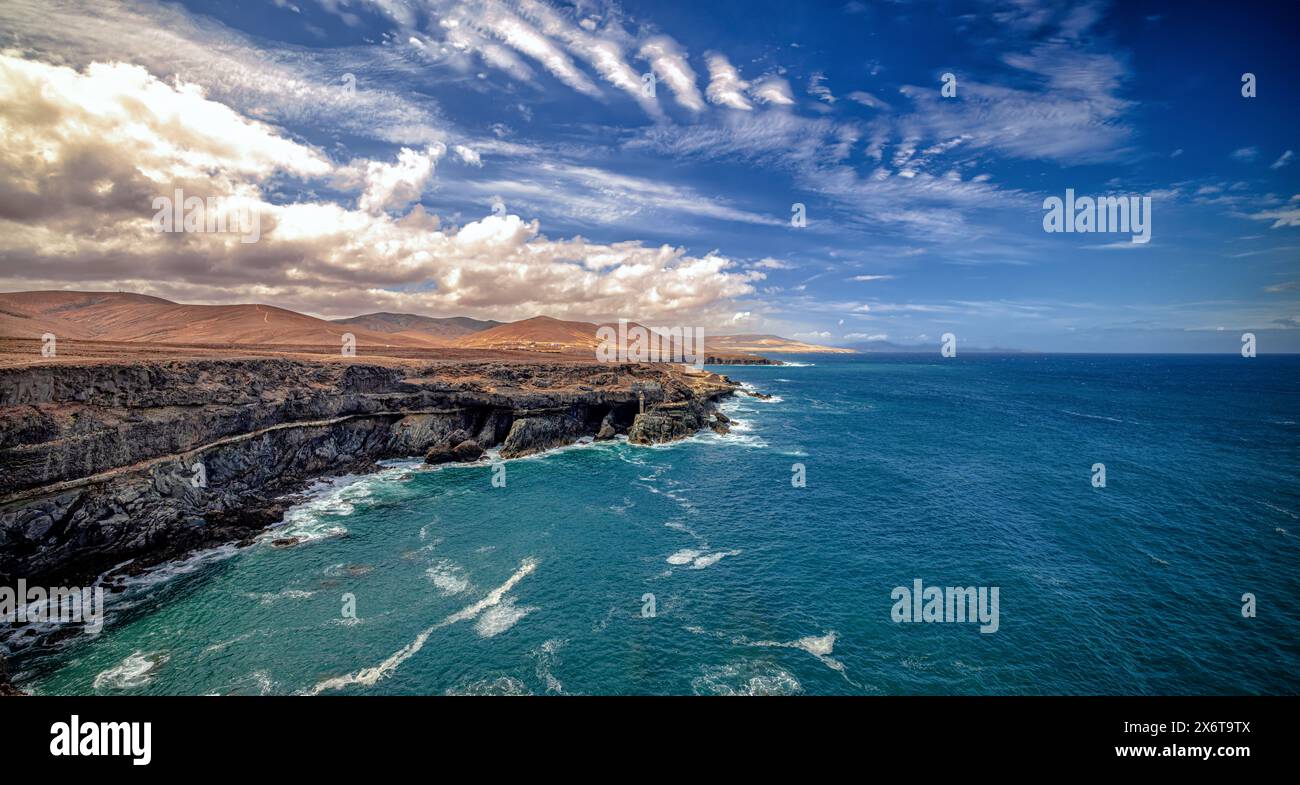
394,186
76,141
79,165
468,155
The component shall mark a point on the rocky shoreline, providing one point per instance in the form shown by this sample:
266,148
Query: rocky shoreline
118,467
141,463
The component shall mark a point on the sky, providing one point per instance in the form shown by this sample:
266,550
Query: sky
845,173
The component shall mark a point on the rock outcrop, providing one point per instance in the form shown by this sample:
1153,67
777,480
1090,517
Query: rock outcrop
666,422
107,462
607,430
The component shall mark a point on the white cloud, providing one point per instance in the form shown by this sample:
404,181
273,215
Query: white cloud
668,62
866,99
773,90
66,127
872,278
1245,154
495,20
468,155
866,337
817,87
393,186
725,85
603,52
1284,160
1280,218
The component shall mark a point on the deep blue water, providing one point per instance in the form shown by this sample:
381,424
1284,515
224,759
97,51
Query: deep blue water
973,471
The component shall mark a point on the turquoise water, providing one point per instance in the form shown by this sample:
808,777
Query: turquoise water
973,471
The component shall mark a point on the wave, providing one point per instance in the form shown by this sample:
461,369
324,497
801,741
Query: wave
317,518
269,598
500,618
745,677
448,577
369,676
502,685
1275,508
546,656
698,559
1092,416
136,670
819,646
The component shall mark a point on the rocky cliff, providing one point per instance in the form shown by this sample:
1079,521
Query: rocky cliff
106,463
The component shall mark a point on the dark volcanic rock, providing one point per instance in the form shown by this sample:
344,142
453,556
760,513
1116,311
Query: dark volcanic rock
467,451
439,454
144,461
7,689
607,430
668,422
536,434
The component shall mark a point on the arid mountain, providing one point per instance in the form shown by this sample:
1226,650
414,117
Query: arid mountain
137,318
766,344
540,333
121,316
450,327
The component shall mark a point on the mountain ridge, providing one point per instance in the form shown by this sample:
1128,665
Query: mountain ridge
137,318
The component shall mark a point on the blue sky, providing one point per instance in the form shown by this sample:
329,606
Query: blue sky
924,212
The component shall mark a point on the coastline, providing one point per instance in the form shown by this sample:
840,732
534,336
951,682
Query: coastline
118,466
105,457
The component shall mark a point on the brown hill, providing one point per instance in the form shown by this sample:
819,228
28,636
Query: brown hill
121,316
138,318
540,333
446,327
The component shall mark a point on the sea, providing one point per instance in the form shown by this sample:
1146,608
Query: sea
772,560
